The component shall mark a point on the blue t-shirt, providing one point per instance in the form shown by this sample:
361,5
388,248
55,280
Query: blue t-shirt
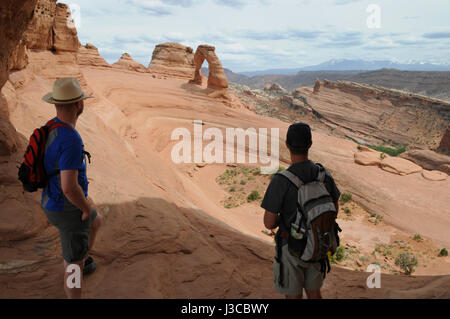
64,151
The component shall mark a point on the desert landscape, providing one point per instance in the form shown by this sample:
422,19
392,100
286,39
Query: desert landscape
196,230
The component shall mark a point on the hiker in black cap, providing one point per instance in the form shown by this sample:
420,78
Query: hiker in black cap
281,204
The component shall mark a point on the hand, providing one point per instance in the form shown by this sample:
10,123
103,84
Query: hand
86,214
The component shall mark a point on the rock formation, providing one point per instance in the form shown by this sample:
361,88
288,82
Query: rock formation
428,159
317,86
216,78
19,57
274,88
14,18
434,175
173,59
377,115
51,28
444,146
89,55
126,62
368,158
399,166
395,165
39,33
65,34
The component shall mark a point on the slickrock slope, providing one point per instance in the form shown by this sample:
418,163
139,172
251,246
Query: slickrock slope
173,59
126,62
165,233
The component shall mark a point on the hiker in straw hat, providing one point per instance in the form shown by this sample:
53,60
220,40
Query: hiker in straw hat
64,199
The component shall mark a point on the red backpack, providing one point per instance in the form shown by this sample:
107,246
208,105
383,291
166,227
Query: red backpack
32,172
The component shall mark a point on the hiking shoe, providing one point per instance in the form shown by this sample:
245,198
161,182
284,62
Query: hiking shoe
89,266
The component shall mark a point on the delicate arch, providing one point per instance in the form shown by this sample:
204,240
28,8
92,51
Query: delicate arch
216,78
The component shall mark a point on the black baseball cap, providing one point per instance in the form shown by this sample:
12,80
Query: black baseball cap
298,137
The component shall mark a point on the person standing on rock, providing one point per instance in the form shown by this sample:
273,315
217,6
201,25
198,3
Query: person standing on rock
281,202
64,199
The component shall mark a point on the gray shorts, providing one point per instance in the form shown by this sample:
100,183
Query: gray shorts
296,275
74,232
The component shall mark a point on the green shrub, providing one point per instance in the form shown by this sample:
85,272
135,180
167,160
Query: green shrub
388,150
417,237
443,252
243,182
406,262
347,211
339,255
254,195
383,249
345,198
364,259
232,189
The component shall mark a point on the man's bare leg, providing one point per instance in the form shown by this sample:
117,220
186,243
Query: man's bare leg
73,293
94,229
313,294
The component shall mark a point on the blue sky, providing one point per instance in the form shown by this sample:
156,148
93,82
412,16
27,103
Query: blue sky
267,34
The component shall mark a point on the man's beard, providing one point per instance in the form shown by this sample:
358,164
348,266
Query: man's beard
80,111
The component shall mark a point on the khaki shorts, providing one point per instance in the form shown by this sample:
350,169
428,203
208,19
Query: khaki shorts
74,233
296,275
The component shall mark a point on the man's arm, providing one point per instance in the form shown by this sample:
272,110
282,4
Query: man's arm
270,220
72,190
336,205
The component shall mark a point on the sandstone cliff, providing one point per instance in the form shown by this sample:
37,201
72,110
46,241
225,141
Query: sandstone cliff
51,28
173,59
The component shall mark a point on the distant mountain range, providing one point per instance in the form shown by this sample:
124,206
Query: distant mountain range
355,65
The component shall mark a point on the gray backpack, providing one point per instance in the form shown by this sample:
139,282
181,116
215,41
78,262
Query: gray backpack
314,232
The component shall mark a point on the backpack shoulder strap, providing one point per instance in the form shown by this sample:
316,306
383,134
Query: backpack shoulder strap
292,178
321,175
52,124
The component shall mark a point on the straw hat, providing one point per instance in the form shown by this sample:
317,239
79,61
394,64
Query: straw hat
65,91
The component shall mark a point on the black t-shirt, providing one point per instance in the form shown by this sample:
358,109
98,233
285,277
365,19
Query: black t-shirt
281,194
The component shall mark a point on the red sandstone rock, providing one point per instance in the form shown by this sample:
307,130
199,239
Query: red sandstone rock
434,175
39,32
65,34
126,62
317,86
216,79
173,59
89,55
